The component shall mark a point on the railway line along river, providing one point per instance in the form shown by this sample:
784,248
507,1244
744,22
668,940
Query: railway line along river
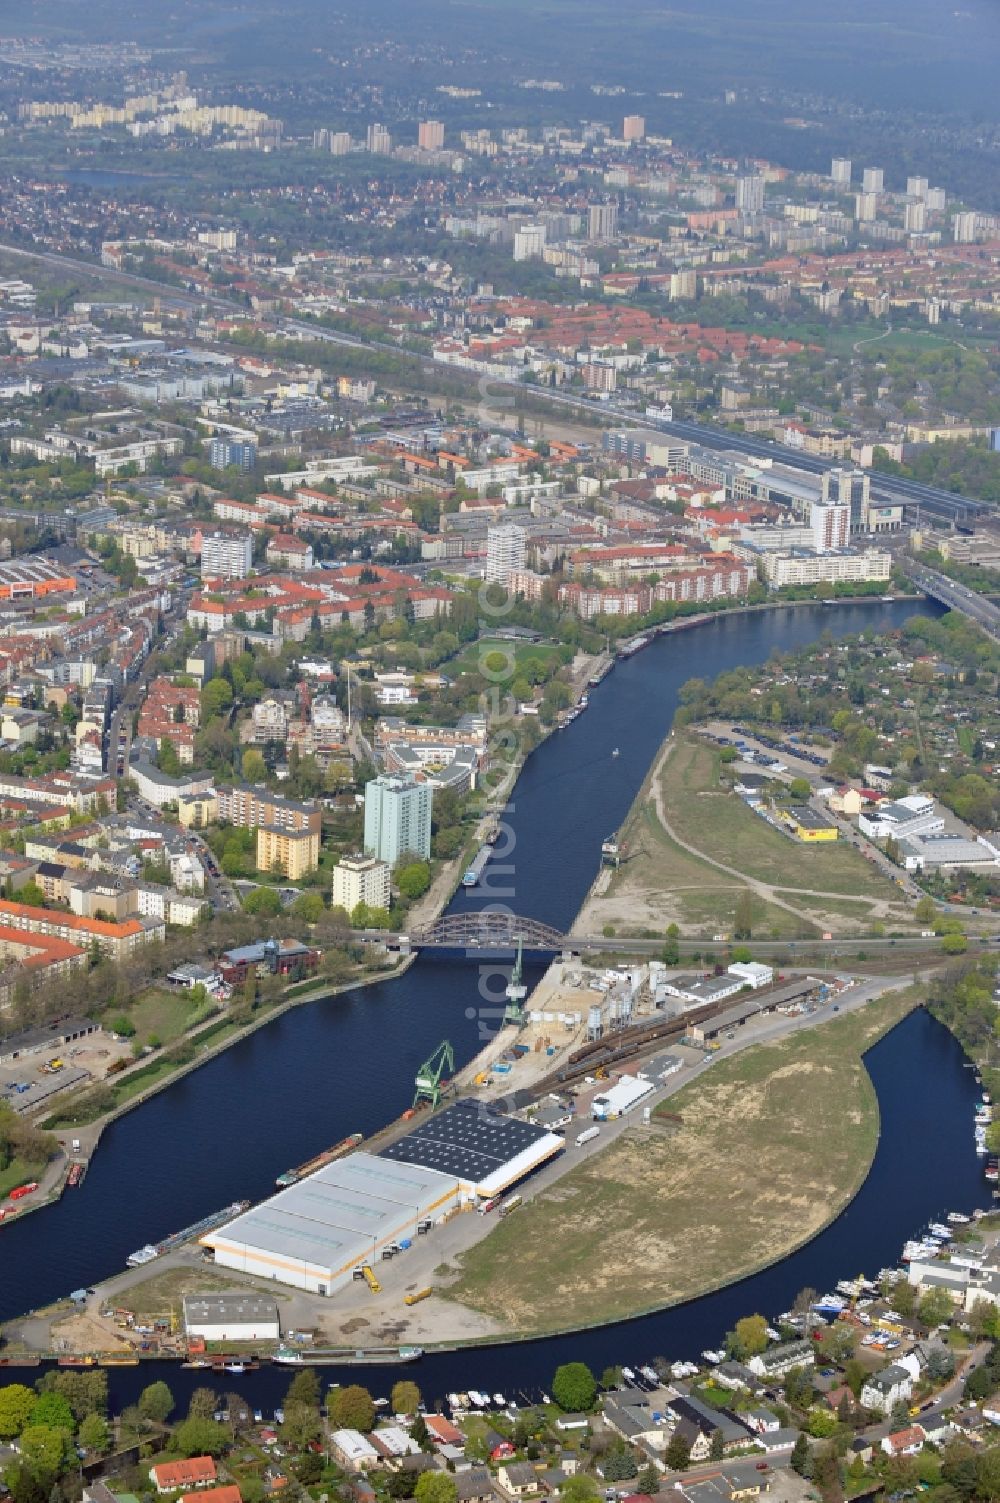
347,1063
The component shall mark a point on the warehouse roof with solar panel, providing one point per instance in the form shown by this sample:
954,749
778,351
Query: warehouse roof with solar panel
483,1149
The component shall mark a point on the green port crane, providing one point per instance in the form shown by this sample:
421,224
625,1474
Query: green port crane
516,990
432,1073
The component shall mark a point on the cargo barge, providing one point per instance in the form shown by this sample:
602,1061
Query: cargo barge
477,866
374,1356
346,1145
151,1250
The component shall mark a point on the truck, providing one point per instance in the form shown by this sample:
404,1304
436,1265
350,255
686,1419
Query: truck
588,1136
23,1190
371,1280
414,1299
510,1205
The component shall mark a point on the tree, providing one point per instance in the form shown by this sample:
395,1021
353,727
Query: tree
216,697
435,1487
53,1410
716,1445
204,1403
574,1386
265,902
304,1389
44,1451
414,879
648,1481
925,911
903,1298
200,1437
800,1455
156,1402
309,1469
16,1405
405,1397
578,1489
936,1307
671,953
749,1336
611,1377
743,917
351,1408
799,788
678,1453
93,1434
619,1464
954,944
253,766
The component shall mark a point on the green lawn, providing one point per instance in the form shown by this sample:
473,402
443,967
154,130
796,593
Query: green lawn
522,654
161,1014
772,1143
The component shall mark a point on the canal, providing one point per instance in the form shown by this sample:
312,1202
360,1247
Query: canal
347,1063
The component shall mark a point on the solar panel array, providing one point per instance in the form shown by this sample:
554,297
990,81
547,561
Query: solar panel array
466,1140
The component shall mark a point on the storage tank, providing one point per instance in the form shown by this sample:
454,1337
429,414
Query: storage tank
594,1025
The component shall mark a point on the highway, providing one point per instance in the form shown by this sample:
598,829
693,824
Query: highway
888,489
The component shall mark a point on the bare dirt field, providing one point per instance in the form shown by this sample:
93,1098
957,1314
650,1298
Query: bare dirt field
770,1146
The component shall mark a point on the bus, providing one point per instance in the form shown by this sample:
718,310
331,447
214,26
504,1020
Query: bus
510,1205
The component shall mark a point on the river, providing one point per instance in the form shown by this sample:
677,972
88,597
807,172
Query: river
347,1063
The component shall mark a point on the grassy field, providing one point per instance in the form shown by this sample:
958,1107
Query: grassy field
724,829
523,654
163,1293
160,1014
772,1144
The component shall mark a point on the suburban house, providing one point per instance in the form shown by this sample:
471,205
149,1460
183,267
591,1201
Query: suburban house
518,1479
475,1485
882,1391
904,1442
173,1476
778,1361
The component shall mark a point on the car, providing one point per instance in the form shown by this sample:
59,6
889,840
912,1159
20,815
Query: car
762,1466
836,1007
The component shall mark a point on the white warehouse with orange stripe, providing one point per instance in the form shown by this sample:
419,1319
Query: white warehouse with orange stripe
314,1234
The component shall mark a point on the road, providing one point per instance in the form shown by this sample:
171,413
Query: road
956,596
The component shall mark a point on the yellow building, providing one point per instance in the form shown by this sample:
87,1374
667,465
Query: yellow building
196,810
806,824
294,852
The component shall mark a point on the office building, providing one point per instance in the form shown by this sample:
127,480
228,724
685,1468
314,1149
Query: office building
226,555
397,818
505,552
633,128
430,135
849,488
378,139
360,879
602,221
750,194
831,525
840,171
230,453
529,241
873,180
865,207
916,187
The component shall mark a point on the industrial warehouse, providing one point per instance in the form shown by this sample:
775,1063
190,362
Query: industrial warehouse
318,1234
